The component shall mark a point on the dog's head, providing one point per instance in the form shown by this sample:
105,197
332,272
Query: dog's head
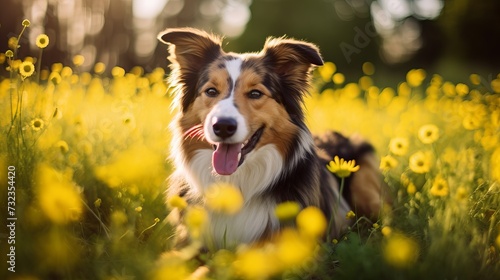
238,103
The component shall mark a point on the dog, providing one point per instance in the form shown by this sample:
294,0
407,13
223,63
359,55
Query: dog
240,120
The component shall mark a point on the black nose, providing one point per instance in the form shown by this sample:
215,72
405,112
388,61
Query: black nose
224,127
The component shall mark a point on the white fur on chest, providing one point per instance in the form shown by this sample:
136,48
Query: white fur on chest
259,170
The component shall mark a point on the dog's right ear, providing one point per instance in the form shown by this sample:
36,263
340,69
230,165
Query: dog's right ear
191,48
190,51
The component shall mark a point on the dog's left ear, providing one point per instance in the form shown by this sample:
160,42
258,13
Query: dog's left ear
291,56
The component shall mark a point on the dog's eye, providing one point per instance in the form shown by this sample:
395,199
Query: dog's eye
211,92
255,94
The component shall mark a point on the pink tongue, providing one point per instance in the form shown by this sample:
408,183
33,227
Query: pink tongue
225,158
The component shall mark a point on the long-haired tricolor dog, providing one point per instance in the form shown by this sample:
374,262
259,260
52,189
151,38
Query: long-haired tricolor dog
241,121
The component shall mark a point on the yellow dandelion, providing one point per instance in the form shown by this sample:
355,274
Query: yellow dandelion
55,78
224,198
368,68
117,72
388,162
415,77
99,68
287,210
255,263
42,41
420,162
462,89
37,124
26,69
428,133
78,60
439,187
12,43
341,167
365,82
350,215
292,250
97,203
57,196
311,221
411,189
461,194
338,78
62,146
495,85
400,251
326,71
399,146
196,219
475,79
9,54
171,269
386,231
176,201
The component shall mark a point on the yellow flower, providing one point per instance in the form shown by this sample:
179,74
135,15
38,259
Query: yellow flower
224,198
388,162
338,78
287,210
97,203
415,77
37,124
428,133
386,230
292,250
99,68
12,43
341,167
62,146
196,219
55,78
78,60
326,71
57,195
368,68
462,194
399,146
9,54
117,72
176,201
439,187
255,263
400,251
420,162
311,221
475,79
411,189
462,89
350,215
26,69
138,209
42,41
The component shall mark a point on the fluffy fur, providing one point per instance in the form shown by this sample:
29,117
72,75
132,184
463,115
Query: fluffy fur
240,120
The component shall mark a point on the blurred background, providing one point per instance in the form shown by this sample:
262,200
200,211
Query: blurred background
451,37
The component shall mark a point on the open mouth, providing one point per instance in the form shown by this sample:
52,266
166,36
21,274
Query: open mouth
228,156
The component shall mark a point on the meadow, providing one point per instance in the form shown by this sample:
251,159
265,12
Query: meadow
83,168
